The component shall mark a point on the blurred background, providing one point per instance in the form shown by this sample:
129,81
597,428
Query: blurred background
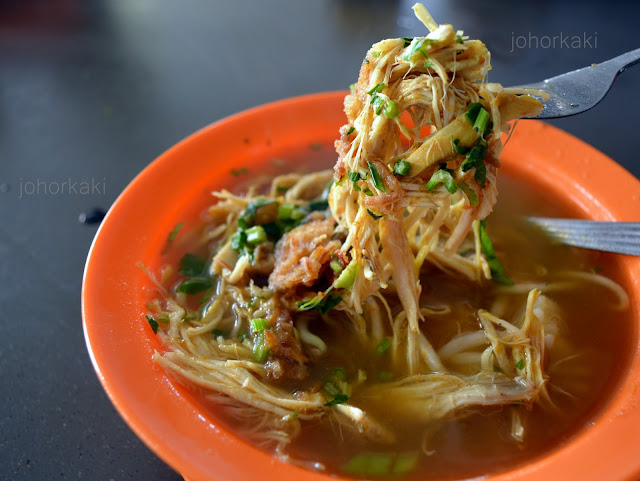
93,91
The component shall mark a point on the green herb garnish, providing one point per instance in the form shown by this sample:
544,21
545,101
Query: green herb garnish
258,324
260,349
471,195
348,276
256,235
385,376
194,285
375,216
192,265
442,176
497,272
339,399
520,364
153,323
241,171
377,89
174,233
462,150
377,180
402,167
383,346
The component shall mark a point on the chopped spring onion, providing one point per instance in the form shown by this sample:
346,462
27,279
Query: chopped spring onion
331,388
474,110
481,173
340,374
352,88
240,171
375,216
173,234
354,177
248,217
368,192
459,39
194,285
239,240
482,120
290,212
323,302
497,272
285,211
468,191
351,130
419,46
339,399
328,303
402,167
377,89
378,104
192,265
462,150
385,376
377,180
258,324
374,465
260,349
273,230
348,276
520,364
153,323
405,463
442,176
256,235
379,465
475,158
219,333
383,346
317,205
336,266
391,110
407,41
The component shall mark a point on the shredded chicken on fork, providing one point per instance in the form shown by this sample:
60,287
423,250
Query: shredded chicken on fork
420,114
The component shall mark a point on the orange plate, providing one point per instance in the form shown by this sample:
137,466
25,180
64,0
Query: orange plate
169,420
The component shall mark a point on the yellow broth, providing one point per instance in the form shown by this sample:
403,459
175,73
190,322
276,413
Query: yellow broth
477,441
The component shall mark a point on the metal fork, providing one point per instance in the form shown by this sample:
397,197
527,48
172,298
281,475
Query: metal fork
618,237
580,90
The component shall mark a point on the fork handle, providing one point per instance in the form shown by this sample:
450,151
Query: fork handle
624,61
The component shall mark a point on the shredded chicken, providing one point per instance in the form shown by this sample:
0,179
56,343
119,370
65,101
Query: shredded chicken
302,253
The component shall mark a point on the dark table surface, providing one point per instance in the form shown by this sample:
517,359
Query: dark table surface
94,91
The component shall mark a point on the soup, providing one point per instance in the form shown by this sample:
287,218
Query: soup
478,442
373,320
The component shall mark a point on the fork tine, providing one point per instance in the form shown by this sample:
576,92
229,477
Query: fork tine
618,237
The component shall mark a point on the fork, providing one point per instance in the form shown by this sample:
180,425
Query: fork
580,90
618,237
